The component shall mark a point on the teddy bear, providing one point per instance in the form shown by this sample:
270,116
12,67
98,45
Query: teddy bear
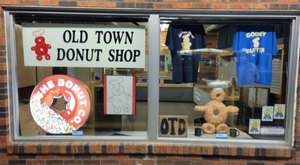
215,112
41,48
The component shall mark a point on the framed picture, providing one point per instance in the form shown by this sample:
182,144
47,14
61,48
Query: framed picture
279,111
267,113
254,126
119,95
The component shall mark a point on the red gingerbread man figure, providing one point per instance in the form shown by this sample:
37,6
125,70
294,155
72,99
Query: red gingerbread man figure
41,48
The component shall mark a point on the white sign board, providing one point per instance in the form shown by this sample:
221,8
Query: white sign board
62,45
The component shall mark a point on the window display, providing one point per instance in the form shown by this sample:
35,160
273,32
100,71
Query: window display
84,79
232,92
210,85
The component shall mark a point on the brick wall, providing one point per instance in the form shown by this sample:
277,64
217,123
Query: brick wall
127,153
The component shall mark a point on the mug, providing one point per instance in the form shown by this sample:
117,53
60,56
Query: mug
198,131
233,132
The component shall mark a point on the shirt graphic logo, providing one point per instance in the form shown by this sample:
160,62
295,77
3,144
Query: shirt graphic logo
186,43
256,43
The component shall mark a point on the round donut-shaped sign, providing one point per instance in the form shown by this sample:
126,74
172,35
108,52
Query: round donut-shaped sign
77,107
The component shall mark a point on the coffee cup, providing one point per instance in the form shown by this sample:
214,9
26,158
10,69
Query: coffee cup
233,132
198,131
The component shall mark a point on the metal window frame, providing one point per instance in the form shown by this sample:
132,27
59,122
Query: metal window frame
154,18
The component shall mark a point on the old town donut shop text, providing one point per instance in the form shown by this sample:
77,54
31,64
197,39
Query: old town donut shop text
83,46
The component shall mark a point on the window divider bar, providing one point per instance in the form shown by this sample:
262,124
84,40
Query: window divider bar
153,76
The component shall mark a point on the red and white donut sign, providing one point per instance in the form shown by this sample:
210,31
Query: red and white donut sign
77,100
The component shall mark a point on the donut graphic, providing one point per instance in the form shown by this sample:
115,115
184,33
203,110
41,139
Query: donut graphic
72,116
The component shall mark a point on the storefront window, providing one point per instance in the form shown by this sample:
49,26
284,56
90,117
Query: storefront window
223,81
83,78
152,77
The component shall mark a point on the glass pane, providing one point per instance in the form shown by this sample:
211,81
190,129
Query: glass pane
223,81
117,103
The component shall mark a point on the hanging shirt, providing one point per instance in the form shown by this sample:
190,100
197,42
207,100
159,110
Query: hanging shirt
254,47
185,37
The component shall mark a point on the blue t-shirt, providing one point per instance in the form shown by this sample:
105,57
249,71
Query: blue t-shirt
185,37
254,47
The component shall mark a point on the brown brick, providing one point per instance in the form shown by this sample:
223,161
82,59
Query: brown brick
113,148
3,103
231,1
164,162
182,162
127,162
259,6
36,162
54,162
107,4
109,162
72,162
240,6
5,156
67,3
16,162
141,148
202,162
295,7
210,150
87,3
237,162
3,78
268,1
220,6
29,2
98,148
136,1
288,1
279,153
183,5
287,153
192,149
48,2
4,121
9,2
145,162
279,6
202,6
163,5
218,162
180,149
30,148
116,157
144,5
248,1
74,147
221,150
211,1
91,162
4,162
45,149
125,5
129,148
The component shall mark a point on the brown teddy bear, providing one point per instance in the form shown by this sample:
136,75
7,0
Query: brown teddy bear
215,112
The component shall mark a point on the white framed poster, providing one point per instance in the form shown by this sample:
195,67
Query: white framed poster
75,45
267,113
254,126
279,111
119,95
